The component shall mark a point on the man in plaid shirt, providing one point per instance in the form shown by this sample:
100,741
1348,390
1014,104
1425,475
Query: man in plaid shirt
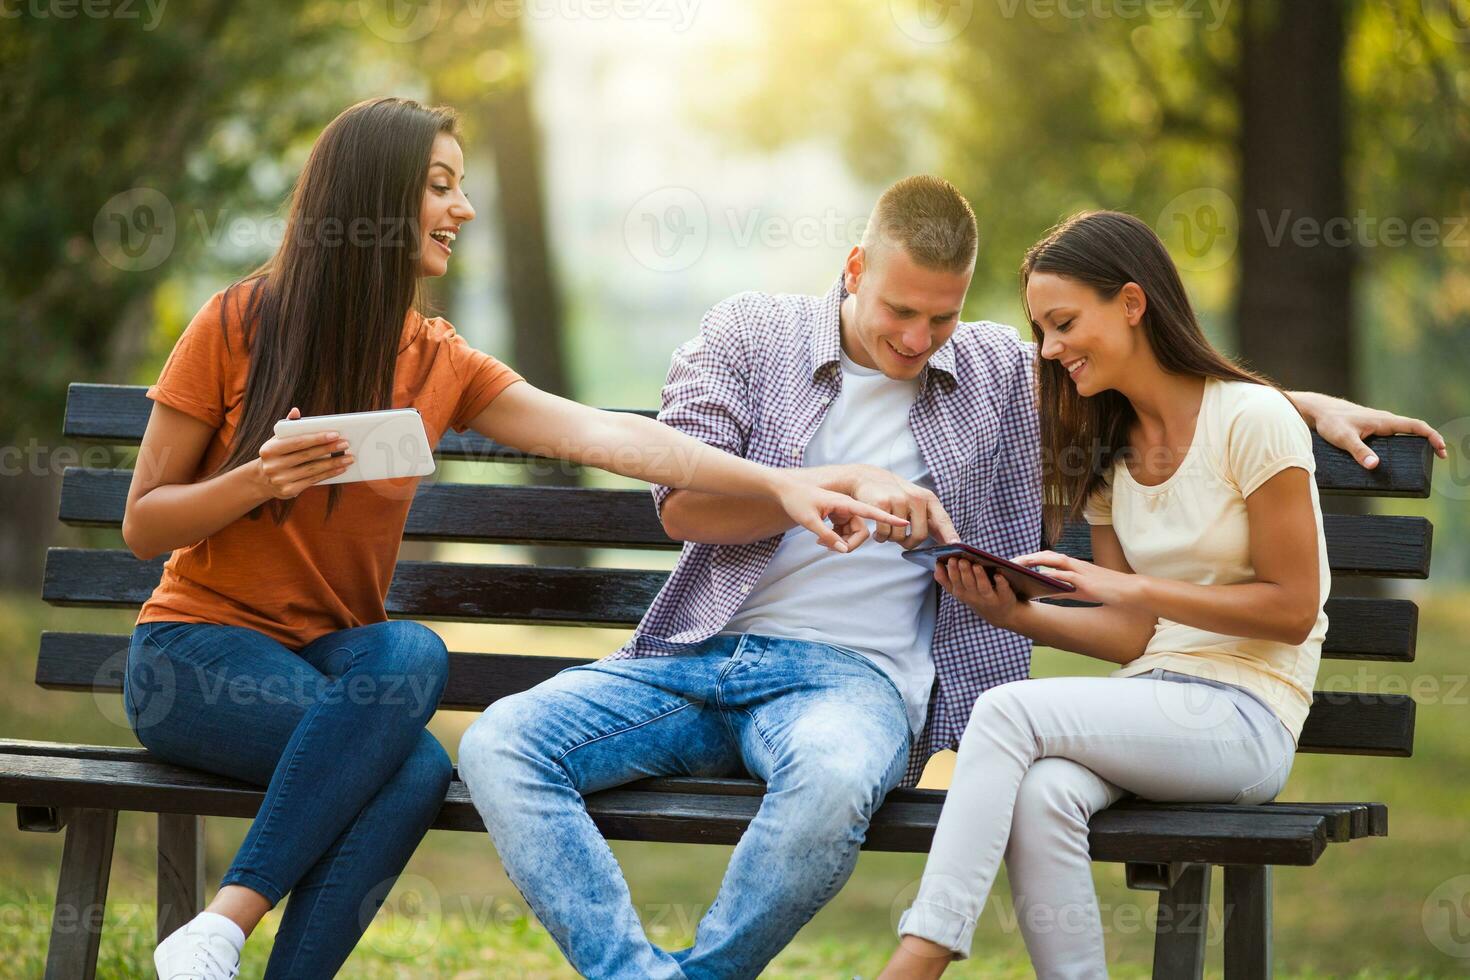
832,677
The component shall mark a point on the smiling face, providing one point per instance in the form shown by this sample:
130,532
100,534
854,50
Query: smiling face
1095,339
899,312
445,207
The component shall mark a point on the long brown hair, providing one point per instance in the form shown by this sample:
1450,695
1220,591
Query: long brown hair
326,315
1081,437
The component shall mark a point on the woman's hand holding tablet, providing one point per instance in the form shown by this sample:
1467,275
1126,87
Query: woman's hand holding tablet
1027,583
387,445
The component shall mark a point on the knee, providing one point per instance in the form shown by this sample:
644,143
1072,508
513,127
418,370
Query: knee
416,648
495,743
1051,795
840,790
997,712
417,654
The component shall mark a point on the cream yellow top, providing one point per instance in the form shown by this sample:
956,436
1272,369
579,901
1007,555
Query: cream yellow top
1193,527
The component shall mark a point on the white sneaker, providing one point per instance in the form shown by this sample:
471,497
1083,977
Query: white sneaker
195,953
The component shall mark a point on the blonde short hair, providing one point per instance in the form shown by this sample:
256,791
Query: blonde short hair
930,219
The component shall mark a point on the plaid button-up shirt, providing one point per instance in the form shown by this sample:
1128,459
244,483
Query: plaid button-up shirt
758,381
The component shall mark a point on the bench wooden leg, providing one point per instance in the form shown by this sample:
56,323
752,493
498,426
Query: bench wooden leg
180,870
1183,925
1247,922
81,894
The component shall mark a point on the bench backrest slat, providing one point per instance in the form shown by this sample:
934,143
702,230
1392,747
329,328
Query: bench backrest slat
118,414
1357,545
1380,629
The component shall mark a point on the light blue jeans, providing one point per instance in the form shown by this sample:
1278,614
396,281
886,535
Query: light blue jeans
822,726
1040,757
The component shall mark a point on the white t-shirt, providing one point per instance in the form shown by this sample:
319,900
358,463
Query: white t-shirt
870,601
1193,527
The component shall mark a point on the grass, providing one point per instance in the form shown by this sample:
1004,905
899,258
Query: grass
1389,907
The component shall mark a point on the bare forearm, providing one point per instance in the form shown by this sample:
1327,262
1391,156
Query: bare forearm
179,515
1311,404
634,446
1107,633
1256,610
712,518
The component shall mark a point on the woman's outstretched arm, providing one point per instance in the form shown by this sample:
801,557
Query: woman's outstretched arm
533,421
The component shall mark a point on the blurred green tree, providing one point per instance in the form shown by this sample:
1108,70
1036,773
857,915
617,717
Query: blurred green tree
127,144
1284,150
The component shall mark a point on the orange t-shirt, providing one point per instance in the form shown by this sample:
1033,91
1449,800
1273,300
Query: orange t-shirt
309,576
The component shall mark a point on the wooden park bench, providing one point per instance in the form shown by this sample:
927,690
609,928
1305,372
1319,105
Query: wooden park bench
1170,848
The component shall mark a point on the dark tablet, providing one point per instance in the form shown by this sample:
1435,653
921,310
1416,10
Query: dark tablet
1025,582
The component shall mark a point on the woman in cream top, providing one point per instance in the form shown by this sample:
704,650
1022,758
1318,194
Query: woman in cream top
1209,579
1193,527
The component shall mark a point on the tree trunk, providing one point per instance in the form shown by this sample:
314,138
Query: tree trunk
537,329
28,501
1295,309
1296,258
535,304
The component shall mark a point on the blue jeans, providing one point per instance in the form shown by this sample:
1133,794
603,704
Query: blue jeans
823,727
336,733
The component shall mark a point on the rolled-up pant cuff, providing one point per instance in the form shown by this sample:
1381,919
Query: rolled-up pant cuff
272,892
946,927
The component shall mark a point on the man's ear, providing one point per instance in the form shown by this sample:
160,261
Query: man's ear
852,272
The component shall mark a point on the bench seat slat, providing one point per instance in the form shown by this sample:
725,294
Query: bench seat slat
1356,544
1345,821
1247,835
118,414
1377,629
1340,722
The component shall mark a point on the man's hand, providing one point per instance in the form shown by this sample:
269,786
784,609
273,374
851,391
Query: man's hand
879,488
1346,424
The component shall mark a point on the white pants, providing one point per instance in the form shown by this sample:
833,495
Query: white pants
1040,757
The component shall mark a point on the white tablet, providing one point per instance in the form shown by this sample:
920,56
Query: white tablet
387,445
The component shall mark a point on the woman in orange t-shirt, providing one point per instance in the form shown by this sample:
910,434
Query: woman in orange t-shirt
265,652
